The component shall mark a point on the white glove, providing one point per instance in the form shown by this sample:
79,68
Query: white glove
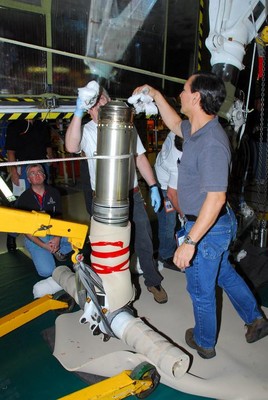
89,95
142,102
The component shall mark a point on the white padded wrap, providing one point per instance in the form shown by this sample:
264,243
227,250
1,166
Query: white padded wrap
117,284
46,286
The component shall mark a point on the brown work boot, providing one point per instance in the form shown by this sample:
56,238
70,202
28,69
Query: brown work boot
204,353
159,293
257,330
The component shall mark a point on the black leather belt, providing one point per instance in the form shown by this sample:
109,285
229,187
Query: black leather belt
190,217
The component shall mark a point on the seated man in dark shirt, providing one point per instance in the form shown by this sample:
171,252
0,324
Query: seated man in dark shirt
43,198
25,140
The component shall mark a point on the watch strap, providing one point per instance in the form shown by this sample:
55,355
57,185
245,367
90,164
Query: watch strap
188,240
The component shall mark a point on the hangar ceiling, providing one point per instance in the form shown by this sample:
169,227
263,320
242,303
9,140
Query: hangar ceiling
165,44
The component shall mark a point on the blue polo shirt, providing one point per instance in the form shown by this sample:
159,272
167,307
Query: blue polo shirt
204,165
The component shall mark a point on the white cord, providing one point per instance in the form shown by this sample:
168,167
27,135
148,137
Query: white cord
52,160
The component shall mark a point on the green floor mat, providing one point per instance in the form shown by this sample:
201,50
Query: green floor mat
28,370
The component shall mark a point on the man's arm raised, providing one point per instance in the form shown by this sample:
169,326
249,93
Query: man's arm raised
73,133
168,114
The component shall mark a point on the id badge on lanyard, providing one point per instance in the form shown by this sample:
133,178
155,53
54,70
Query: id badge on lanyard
180,236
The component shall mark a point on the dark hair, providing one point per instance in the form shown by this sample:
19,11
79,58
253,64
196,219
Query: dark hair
212,91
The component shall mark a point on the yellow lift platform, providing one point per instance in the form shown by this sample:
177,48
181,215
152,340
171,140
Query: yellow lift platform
140,382
27,313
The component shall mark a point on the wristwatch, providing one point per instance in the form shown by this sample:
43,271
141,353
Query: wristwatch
188,240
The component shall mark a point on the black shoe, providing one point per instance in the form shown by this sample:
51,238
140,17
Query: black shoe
59,256
257,330
168,263
204,353
11,244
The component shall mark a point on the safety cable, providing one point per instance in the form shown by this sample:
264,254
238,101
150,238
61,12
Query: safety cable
262,160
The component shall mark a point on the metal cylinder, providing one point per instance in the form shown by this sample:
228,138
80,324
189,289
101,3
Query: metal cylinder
259,234
114,144
263,236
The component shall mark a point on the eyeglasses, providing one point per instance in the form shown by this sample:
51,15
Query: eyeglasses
37,173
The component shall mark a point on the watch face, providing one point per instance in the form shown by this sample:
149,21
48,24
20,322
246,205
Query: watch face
188,240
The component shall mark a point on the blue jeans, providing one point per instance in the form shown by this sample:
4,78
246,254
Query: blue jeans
166,231
43,260
141,233
211,267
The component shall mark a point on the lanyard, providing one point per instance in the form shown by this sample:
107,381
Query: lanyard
40,200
